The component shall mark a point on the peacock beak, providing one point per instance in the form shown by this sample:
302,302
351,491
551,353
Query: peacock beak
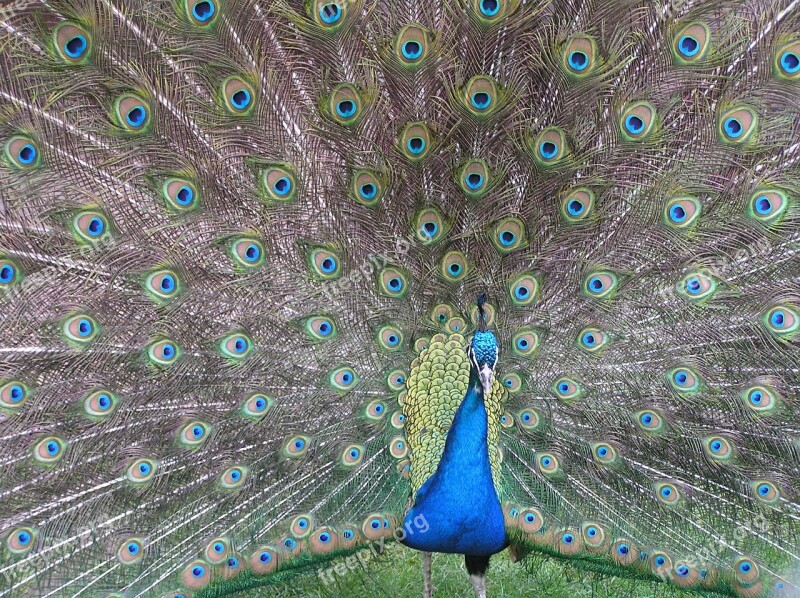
487,378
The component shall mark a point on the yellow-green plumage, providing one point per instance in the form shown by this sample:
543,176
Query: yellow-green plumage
436,387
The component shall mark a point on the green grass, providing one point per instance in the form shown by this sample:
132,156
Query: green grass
397,573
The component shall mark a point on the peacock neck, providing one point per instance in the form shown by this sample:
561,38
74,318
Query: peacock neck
459,500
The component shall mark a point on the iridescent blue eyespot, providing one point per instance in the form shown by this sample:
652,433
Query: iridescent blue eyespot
136,116
790,62
693,286
346,108
412,50
546,461
659,561
415,145
241,99
733,127
623,549
203,11
575,207
265,557
591,531
677,214
548,149
481,100
96,227
578,60
490,8
777,318
474,180
368,190
688,46
745,567
567,538
282,186
666,491
328,265
682,570
27,154
7,273
507,238
330,13
634,124
198,571
75,46
185,196
24,538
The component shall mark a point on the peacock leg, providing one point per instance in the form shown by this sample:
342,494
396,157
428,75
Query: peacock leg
427,585
476,567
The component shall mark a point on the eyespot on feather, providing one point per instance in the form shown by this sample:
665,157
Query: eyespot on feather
22,153
368,187
787,61
131,551
10,273
697,287
256,406
180,195
193,434
100,404
567,389
235,346
681,212
343,379
163,352
201,13
345,105
49,450
278,184
767,205
80,330
549,147
412,45
141,470
132,113
690,43
525,342
72,42
430,226
196,575
579,56
508,235
296,446
238,96
162,285
481,97
14,394
328,15
392,282
638,121
782,321
90,227
737,125
415,141
247,253
21,540
234,477
600,284
264,560
577,204
475,178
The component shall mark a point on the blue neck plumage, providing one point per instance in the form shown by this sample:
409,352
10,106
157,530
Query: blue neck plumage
459,501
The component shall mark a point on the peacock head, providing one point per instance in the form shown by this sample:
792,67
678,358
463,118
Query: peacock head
483,349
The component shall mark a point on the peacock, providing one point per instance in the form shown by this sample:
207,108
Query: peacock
284,281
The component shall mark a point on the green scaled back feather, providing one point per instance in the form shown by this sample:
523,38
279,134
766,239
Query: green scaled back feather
230,227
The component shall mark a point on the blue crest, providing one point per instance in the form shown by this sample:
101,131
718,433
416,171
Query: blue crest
484,347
